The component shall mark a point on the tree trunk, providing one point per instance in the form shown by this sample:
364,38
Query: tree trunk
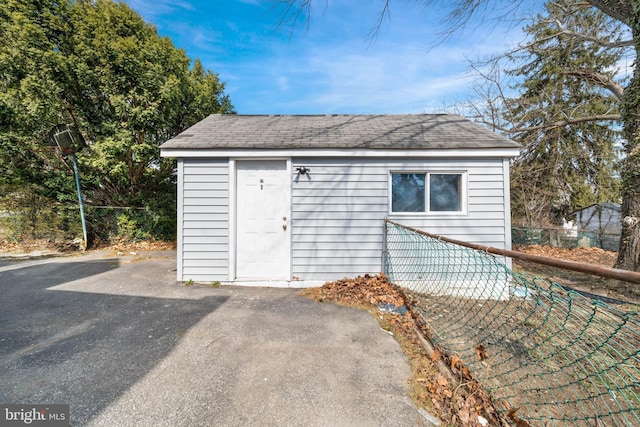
621,10
629,255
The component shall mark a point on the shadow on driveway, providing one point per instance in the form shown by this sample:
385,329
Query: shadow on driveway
79,348
125,345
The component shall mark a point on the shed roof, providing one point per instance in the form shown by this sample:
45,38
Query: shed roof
337,131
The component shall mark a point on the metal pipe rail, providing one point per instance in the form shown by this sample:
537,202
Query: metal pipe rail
596,270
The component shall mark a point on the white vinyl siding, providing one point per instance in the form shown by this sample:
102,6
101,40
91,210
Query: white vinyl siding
204,221
339,207
337,213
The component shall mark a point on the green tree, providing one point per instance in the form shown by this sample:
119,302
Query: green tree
30,178
133,91
99,65
570,166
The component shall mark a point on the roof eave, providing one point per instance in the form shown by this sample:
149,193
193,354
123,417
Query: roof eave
486,152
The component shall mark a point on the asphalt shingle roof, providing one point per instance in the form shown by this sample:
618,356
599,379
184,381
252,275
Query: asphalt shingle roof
338,131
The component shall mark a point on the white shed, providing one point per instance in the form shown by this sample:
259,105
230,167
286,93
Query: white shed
601,218
602,223
296,200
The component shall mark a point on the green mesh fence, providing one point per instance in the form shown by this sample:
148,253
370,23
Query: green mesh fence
564,238
562,358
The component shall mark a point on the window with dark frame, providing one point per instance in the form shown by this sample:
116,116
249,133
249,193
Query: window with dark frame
410,192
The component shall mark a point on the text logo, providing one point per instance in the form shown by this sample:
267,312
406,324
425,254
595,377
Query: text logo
34,415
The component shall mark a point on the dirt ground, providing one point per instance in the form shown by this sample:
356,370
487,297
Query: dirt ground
614,289
44,247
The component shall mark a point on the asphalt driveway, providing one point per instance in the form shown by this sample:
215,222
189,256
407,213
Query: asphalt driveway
123,344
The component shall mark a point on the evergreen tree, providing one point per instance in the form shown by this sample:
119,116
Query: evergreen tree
31,179
98,65
564,166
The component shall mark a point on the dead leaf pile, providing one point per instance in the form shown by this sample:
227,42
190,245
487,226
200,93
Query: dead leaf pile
26,246
461,404
367,290
595,256
466,403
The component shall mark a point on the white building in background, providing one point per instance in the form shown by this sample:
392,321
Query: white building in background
599,218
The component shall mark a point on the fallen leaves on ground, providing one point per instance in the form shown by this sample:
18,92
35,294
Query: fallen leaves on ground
626,291
511,414
141,246
367,289
26,246
30,245
587,255
462,404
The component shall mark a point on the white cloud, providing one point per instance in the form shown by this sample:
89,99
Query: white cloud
151,9
201,38
624,68
283,83
329,67
394,78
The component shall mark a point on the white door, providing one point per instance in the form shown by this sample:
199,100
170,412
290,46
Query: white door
262,223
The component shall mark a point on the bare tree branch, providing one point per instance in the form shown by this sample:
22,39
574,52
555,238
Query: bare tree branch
384,14
599,79
561,123
294,11
617,44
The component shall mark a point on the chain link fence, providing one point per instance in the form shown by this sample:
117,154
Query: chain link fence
60,224
40,221
131,223
565,238
560,357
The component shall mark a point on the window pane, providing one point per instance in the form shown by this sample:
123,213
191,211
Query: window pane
445,192
407,192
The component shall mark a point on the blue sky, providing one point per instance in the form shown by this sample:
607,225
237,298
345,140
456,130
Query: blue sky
331,66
